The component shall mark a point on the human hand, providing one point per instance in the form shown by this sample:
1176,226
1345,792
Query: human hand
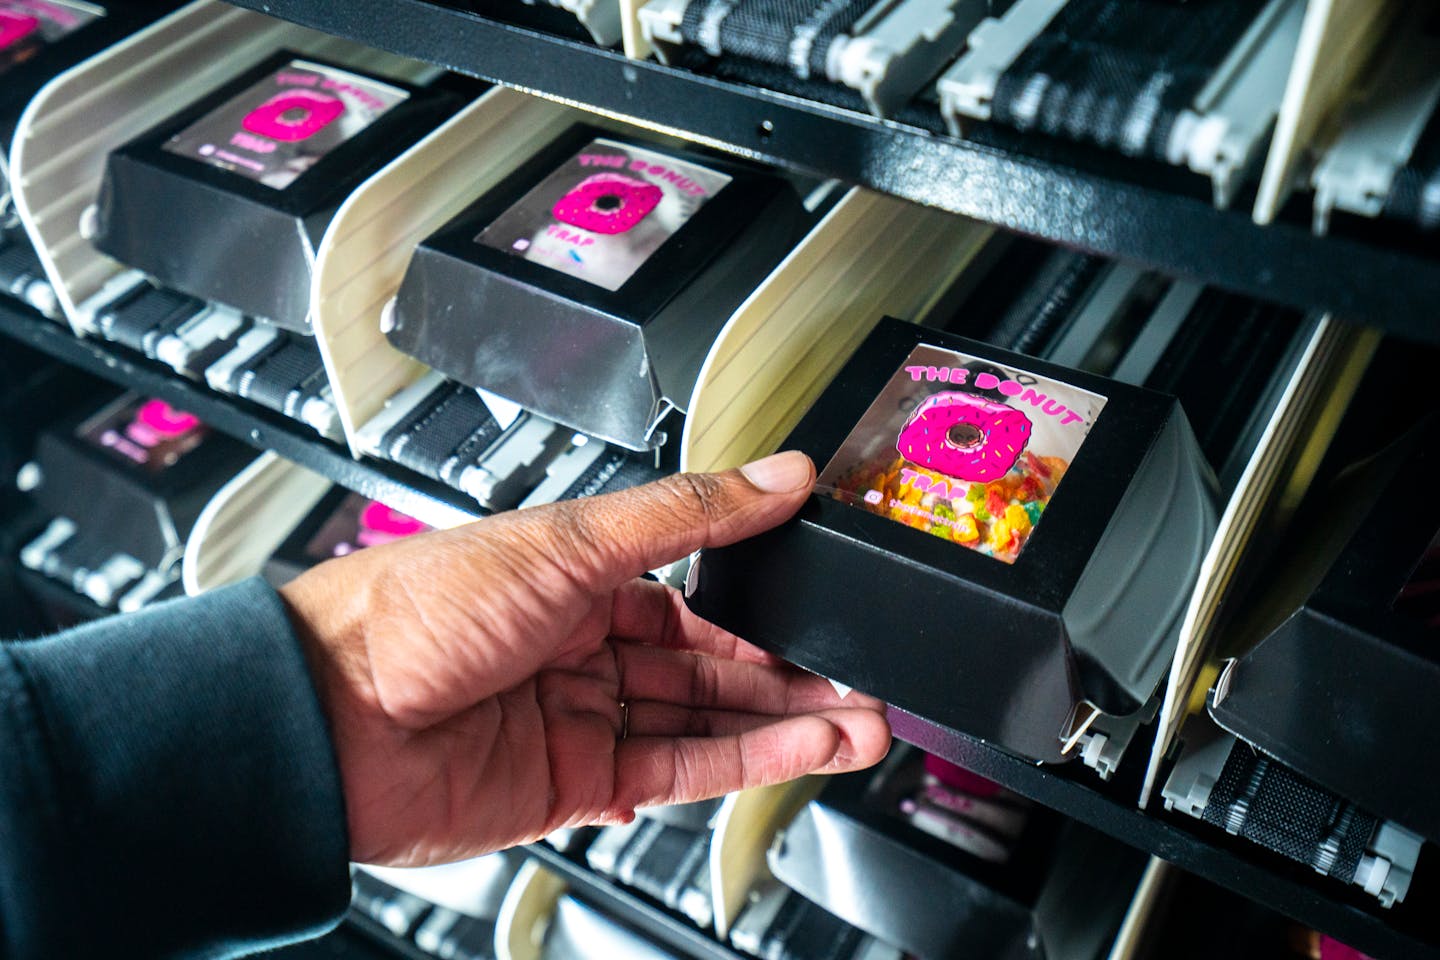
474,678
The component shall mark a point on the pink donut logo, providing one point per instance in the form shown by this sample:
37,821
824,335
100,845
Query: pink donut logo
157,421
380,524
293,115
14,27
964,436
607,203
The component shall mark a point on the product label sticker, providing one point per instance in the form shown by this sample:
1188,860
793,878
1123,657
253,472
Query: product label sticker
358,523
26,26
150,434
964,449
604,212
286,123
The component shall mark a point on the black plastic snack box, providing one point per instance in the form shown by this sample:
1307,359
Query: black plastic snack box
613,329
30,61
1344,689
334,527
144,506
1063,890
1087,613
292,557
167,206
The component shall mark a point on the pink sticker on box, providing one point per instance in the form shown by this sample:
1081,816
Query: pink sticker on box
16,27
160,420
27,26
381,524
297,115
964,449
964,436
149,434
604,212
607,203
357,523
286,123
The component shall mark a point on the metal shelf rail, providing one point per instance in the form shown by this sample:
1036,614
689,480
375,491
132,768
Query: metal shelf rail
634,908
1104,213
1410,930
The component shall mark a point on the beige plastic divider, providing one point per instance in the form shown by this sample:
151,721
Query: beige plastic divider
1285,460
744,828
1337,41
870,256
465,886
1146,911
633,40
58,155
363,257
525,914
247,520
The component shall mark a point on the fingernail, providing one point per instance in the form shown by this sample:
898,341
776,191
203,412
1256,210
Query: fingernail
779,472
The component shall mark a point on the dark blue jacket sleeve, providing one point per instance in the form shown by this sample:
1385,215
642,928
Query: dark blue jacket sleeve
167,786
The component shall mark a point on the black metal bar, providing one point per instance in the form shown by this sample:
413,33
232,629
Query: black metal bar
634,908
1180,235
262,429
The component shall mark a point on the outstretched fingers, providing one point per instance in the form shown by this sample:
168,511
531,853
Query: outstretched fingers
664,770
644,611
615,537
649,719
674,676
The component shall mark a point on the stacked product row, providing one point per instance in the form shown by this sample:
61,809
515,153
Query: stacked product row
123,500
364,203
1337,100
825,870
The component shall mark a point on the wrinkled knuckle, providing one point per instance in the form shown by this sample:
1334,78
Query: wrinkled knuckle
541,530
562,536
704,496
745,772
573,520
689,777
704,683
575,533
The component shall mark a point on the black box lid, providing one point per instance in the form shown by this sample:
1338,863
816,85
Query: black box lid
597,327
137,471
1344,690
1089,607
177,201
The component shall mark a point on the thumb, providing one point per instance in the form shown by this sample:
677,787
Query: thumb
618,536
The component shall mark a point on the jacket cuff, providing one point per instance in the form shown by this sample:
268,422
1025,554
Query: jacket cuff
193,779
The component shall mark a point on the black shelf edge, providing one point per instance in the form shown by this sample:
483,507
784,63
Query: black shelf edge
1180,235
634,908
261,429
1409,931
